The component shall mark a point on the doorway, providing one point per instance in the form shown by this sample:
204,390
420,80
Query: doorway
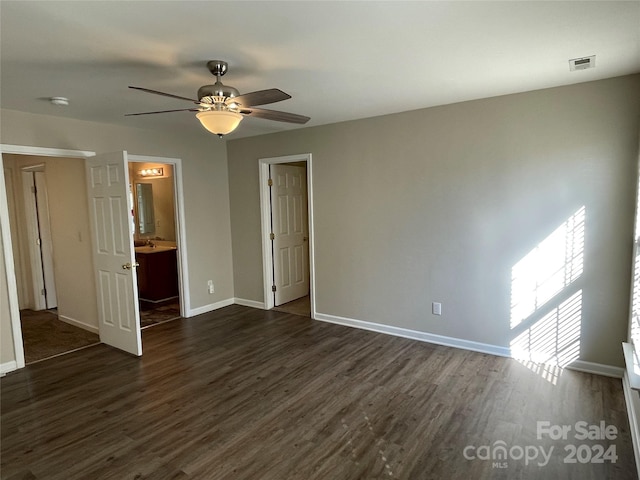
287,233
11,241
153,193
51,257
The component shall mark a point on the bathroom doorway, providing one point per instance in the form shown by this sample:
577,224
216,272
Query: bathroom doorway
152,188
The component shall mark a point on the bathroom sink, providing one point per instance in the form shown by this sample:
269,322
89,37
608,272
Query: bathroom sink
149,249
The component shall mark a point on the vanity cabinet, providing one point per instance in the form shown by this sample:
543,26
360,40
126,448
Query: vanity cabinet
157,274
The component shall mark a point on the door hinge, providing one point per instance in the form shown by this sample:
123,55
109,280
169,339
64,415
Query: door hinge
34,189
273,288
272,236
270,182
43,292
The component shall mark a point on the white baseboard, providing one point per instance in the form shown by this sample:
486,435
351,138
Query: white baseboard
8,367
580,365
416,335
248,303
209,308
79,324
597,368
633,411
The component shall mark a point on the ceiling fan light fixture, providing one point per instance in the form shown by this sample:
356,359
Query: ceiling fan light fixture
219,122
221,107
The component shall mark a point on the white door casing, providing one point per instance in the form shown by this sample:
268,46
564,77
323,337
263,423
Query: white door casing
113,252
290,230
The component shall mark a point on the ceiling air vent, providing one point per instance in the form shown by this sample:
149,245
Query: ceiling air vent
582,63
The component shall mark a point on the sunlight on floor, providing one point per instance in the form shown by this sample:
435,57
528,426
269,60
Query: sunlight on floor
550,373
552,341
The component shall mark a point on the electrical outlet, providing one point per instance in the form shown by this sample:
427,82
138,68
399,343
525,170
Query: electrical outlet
436,308
210,286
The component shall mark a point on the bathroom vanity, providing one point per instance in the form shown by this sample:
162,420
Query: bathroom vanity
157,273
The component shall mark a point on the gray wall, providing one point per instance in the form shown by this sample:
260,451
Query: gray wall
439,204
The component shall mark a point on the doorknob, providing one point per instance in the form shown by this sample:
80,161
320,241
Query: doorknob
305,239
129,266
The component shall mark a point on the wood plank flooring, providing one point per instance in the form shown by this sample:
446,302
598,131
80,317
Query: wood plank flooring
301,306
243,394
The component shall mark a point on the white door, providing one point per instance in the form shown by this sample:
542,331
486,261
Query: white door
46,242
36,209
290,232
113,253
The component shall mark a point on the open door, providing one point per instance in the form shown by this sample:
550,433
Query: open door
36,210
113,253
46,241
290,233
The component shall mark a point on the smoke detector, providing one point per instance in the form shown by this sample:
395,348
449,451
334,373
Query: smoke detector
60,101
582,63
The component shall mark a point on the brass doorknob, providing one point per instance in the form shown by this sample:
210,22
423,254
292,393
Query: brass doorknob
129,266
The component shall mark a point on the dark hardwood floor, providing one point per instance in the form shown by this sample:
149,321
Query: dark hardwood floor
242,393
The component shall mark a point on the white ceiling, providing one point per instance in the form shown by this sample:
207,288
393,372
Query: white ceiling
339,60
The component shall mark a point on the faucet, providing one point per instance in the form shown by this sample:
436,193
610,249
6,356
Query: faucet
150,243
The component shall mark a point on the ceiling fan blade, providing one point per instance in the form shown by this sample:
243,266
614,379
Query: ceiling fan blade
165,94
275,115
163,111
261,97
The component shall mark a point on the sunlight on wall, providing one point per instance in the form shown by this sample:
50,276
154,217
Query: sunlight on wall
551,266
635,299
632,355
635,304
546,343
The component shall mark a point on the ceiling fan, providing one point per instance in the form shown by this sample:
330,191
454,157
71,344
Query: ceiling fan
221,108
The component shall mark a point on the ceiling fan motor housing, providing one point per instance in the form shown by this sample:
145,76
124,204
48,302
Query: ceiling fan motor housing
218,89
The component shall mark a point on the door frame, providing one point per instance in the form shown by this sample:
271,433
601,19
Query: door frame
265,217
5,231
5,227
181,232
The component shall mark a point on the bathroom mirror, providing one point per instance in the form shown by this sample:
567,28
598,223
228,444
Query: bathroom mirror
146,219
